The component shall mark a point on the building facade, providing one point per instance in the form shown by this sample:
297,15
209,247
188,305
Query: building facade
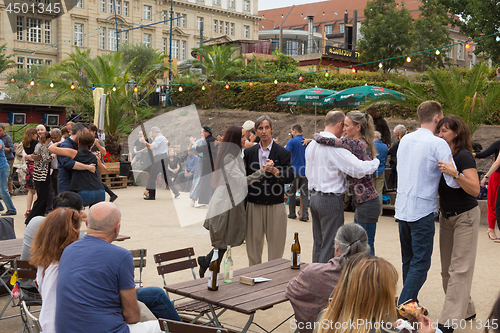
91,24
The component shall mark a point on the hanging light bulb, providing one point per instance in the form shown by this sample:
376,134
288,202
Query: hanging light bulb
251,84
136,89
203,87
467,46
12,80
227,86
300,78
408,59
93,87
354,70
438,52
275,81
114,87
180,89
380,65
327,74
32,83
52,84
72,86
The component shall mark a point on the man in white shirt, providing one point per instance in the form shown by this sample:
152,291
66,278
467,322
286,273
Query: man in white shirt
325,170
416,202
159,148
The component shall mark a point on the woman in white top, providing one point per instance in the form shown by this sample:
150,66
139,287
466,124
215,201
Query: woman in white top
59,229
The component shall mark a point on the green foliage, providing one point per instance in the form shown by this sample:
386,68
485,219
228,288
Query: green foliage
385,33
482,18
145,58
218,62
21,92
5,62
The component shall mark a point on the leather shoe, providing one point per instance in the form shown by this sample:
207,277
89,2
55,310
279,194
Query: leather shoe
471,317
292,216
9,213
113,198
445,329
149,198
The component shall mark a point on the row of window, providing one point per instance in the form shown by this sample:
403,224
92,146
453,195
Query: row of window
31,61
178,48
224,27
108,7
111,38
36,30
179,19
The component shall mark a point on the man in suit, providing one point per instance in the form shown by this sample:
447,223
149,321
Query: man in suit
266,214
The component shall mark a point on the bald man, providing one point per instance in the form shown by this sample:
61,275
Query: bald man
96,290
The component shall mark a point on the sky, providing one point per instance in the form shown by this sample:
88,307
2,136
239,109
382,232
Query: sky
270,4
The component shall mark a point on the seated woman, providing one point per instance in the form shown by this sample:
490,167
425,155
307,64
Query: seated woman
309,292
365,299
87,184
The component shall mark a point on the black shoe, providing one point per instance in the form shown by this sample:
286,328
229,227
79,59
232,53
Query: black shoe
292,216
304,219
177,195
113,198
471,317
149,198
202,261
445,329
9,213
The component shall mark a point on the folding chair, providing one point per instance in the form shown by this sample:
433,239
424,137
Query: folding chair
27,298
171,326
139,262
198,307
31,323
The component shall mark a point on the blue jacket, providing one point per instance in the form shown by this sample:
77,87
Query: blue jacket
382,150
65,166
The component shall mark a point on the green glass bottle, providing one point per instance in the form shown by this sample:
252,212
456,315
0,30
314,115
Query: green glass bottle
228,266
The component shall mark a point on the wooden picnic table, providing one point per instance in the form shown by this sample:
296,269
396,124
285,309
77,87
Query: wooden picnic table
241,297
11,248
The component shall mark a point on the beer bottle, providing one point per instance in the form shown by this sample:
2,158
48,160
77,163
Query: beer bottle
296,252
228,266
213,272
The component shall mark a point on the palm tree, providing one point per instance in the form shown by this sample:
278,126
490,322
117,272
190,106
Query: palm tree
5,62
218,62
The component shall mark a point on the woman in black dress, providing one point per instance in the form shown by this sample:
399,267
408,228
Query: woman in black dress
29,144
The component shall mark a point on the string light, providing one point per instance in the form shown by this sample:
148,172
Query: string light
300,78
327,74
437,52
250,84
467,46
203,87
12,80
32,82
408,59
227,86
72,87
180,89
135,89
380,65
114,88
275,81
93,87
52,84
354,70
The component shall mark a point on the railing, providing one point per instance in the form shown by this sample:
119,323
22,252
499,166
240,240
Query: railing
290,47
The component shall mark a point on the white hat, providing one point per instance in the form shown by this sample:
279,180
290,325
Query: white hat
248,125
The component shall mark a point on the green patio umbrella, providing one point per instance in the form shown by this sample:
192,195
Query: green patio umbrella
306,97
353,97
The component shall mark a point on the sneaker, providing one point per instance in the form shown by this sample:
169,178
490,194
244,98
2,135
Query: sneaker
113,198
199,205
292,216
9,213
192,203
304,219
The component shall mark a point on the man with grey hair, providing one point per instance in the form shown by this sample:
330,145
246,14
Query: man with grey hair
379,175
266,214
159,148
96,280
9,153
325,171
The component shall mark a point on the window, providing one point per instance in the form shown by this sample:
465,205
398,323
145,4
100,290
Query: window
30,62
216,2
341,27
175,48
232,29
226,28
230,3
102,6
197,44
125,8
328,29
246,5
48,62
220,26
20,62
315,29
20,27
102,38
118,7
199,23
448,52
146,39
215,25
246,31
111,39
164,43
78,34
34,30
110,6
147,13
183,50
183,20
124,35
78,3
48,35
460,52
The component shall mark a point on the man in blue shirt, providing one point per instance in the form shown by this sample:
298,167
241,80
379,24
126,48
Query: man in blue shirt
298,151
9,153
379,175
185,178
66,164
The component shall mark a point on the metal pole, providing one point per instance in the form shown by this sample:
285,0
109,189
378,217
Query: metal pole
170,52
116,25
201,33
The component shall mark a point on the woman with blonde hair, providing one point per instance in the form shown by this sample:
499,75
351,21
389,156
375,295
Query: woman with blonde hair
359,132
59,229
29,144
364,299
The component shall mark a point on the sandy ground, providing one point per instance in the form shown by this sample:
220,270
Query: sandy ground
155,225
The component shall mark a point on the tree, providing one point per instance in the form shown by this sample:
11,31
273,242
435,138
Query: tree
385,33
145,58
218,62
430,31
476,19
5,62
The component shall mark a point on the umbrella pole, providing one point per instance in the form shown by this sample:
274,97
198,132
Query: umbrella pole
315,117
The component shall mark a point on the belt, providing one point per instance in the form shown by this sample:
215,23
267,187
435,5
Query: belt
323,193
447,215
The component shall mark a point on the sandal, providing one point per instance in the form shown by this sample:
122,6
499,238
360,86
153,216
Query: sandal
27,213
492,235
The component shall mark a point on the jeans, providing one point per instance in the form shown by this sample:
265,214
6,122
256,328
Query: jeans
417,240
4,190
370,229
185,182
92,197
158,302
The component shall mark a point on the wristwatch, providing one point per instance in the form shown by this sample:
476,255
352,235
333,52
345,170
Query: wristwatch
456,176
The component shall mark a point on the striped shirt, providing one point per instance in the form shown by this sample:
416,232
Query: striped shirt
43,165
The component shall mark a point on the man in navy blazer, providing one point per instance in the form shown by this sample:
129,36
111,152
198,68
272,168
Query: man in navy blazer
266,214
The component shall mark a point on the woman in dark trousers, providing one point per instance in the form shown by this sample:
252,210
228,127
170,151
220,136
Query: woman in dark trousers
99,146
41,176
